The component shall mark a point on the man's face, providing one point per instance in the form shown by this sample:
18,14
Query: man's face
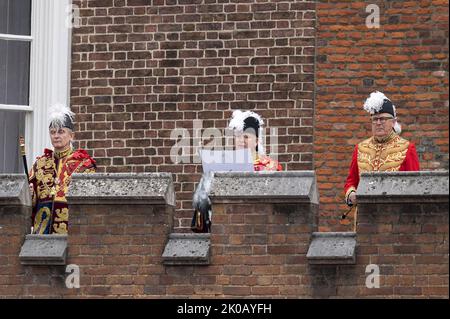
382,124
247,139
61,138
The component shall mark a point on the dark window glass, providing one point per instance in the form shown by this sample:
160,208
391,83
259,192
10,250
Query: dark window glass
15,17
14,72
11,127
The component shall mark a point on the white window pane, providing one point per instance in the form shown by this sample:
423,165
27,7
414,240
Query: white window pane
14,72
11,127
15,17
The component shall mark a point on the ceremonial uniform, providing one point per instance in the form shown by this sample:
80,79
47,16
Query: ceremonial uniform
393,154
50,177
51,174
241,122
384,152
265,163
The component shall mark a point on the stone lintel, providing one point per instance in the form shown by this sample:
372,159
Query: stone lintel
44,250
14,190
121,188
265,187
332,248
403,187
187,249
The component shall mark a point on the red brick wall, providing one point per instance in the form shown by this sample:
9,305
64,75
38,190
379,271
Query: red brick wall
143,68
258,250
409,243
15,221
406,58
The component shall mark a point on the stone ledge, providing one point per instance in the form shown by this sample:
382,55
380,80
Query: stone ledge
403,187
269,187
44,250
14,190
332,248
121,188
187,249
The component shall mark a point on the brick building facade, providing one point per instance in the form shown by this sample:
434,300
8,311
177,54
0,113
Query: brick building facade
266,247
406,58
142,68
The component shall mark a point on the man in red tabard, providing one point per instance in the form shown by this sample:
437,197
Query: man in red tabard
384,151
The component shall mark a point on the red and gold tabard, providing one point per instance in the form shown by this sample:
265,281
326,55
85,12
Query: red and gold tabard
265,163
50,176
394,153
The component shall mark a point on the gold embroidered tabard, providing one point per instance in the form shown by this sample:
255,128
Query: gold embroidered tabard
382,156
50,177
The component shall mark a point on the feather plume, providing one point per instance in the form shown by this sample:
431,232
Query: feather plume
237,123
58,114
374,102
238,118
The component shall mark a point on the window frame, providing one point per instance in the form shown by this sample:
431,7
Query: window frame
24,38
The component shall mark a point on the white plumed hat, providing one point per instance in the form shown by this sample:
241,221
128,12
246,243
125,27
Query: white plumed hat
61,116
241,121
377,102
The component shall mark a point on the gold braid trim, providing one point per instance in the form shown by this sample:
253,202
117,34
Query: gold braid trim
382,157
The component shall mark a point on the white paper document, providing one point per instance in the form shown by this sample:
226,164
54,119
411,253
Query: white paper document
226,160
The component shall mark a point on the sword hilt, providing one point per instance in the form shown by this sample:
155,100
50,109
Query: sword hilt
22,145
24,157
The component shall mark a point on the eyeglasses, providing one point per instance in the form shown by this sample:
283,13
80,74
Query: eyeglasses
382,119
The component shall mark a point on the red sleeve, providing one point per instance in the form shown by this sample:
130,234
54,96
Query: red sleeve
88,163
353,173
411,162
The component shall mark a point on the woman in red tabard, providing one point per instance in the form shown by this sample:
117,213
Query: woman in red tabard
248,134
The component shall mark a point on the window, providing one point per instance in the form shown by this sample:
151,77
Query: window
34,74
15,44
